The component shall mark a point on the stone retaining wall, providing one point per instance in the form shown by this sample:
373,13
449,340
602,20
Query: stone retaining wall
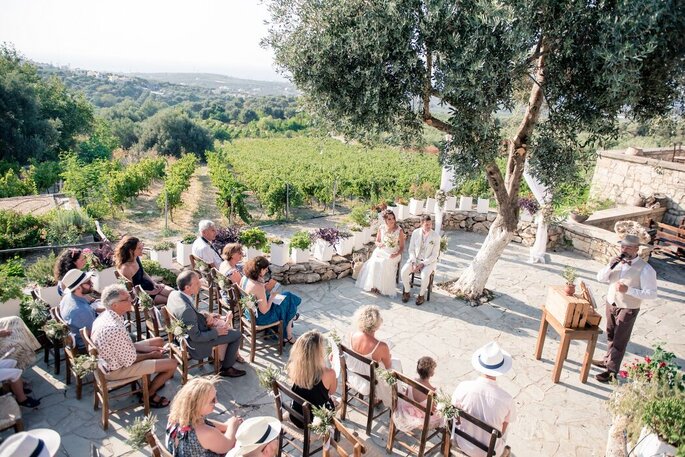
596,242
621,177
342,266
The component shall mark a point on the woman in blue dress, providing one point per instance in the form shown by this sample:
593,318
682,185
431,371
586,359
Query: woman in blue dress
271,307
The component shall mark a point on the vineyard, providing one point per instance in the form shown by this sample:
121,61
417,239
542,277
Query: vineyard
319,170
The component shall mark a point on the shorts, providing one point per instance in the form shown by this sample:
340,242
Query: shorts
136,370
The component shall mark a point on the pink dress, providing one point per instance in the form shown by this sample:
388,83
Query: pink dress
408,417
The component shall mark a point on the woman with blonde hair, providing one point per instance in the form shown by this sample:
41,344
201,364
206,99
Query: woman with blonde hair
189,433
307,370
232,254
127,261
364,342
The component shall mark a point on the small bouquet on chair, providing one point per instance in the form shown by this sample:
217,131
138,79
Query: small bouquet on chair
322,424
248,301
444,406
178,328
85,365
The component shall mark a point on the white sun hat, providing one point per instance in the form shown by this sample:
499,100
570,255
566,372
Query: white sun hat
40,442
75,278
491,360
254,433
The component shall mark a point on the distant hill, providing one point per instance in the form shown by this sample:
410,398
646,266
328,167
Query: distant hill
223,83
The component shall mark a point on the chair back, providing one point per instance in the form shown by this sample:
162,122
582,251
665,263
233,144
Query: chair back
370,374
127,282
283,397
494,434
351,439
154,322
165,321
156,445
90,346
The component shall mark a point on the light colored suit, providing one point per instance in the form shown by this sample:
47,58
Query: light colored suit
421,250
201,338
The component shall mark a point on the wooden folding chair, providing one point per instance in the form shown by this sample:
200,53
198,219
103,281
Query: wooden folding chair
208,289
154,323
70,354
417,278
345,439
156,445
49,345
415,441
179,351
103,387
352,398
228,296
294,441
494,434
250,330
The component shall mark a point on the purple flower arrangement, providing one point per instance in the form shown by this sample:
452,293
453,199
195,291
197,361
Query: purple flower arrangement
330,235
529,204
225,235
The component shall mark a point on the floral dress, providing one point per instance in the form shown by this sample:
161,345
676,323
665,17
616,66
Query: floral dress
183,442
380,271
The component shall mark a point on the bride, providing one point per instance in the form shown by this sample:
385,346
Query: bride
378,274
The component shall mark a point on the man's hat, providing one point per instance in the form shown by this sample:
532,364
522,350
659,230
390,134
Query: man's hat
75,278
630,240
253,434
491,360
40,442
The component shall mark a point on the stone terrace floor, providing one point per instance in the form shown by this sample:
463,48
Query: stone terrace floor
565,419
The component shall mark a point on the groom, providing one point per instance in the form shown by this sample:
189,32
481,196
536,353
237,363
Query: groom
424,248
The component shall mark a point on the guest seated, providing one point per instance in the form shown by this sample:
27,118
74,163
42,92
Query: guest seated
257,437
18,340
189,433
10,374
69,259
120,356
127,261
233,269
270,307
484,400
202,246
307,370
75,308
408,417
201,337
364,342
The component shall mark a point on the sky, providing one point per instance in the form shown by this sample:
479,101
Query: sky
203,36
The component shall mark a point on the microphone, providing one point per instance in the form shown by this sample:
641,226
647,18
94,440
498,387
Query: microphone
620,258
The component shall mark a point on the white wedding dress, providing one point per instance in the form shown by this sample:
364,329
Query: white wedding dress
380,270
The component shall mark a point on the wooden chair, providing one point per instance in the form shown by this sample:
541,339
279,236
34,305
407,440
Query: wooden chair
156,445
352,398
208,289
154,323
48,345
294,441
670,239
227,297
180,352
341,446
416,440
250,330
130,287
103,387
494,434
10,414
70,354
414,277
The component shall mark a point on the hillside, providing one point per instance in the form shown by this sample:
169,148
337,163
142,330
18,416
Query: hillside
223,83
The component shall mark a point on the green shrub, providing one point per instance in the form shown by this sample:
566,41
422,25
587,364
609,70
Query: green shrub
14,185
11,279
301,240
68,226
360,215
155,269
20,230
163,246
666,417
41,272
253,238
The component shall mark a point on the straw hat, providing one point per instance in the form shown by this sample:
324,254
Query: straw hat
254,433
75,278
40,442
491,360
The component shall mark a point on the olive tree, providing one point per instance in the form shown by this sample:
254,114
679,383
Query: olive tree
372,67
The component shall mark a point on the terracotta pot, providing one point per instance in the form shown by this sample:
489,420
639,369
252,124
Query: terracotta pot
570,289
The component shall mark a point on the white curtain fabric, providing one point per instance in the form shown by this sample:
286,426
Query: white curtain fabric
543,196
446,184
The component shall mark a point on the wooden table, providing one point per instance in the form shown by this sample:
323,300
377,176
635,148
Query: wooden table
589,334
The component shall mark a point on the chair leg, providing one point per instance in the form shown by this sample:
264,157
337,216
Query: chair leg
67,368
57,349
253,347
430,288
79,388
280,339
105,410
146,394
343,400
19,426
369,414
391,436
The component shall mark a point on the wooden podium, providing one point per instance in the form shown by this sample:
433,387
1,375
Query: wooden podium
569,317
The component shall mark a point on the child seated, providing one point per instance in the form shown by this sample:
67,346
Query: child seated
215,320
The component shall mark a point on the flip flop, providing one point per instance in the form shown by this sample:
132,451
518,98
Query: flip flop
163,402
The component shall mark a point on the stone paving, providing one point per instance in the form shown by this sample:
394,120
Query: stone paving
565,419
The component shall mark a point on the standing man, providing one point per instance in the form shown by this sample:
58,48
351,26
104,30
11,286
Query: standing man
424,249
202,246
201,337
631,280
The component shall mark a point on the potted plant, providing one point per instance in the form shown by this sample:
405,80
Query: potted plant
324,242
450,202
280,254
402,208
483,205
163,253
581,213
102,261
390,205
528,207
358,237
570,276
360,215
11,286
431,205
42,275
254,239
416,207
184,248
345,244
300,245
465,203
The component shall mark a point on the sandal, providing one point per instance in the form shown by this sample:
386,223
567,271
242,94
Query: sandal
297,316
163,402
291,340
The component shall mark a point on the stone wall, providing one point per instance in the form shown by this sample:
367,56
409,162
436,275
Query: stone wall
607,218
621,177
595,242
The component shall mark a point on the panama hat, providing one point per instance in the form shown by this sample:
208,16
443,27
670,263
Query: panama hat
75,278
630,240
491,360
40,442
254,433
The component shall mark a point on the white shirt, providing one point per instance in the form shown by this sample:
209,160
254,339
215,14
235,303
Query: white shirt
115,347
204,251
647,281
485,400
